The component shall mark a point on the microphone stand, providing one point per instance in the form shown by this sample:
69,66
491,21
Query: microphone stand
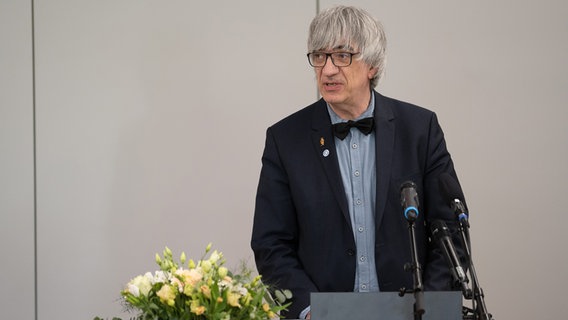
415,267
478,303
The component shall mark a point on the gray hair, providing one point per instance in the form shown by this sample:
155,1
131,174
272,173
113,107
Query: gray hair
339,26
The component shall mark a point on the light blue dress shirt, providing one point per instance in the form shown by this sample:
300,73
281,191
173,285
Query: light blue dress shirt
356,155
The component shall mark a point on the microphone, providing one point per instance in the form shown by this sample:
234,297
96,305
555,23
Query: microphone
452,191
441,235
409,200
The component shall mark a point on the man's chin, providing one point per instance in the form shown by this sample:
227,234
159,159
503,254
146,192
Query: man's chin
330,97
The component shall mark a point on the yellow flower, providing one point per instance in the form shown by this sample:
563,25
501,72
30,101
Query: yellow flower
199,310
265,307
167,295
233,299
219,299
191,277
196,308
206,291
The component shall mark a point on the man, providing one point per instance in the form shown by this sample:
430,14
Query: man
328,214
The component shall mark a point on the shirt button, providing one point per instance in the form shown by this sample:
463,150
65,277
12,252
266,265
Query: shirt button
354,146
362,258
364,286
357,173
361,229
358,201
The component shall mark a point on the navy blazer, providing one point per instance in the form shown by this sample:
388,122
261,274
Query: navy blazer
302,236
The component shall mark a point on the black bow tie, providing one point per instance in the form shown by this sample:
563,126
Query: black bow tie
341,130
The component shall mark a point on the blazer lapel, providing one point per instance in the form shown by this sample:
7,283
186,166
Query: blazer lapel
384,140
324,146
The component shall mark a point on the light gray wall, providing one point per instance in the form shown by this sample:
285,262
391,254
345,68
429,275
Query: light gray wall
150,120
17,278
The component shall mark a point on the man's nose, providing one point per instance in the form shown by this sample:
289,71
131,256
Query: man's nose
329,67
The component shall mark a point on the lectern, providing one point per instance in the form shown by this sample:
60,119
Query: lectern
384,306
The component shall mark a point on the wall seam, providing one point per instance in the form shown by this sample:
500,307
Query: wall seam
34,135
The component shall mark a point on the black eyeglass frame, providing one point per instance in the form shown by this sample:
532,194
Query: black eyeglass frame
331,55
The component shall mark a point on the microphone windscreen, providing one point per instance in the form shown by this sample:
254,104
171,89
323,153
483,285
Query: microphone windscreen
407,184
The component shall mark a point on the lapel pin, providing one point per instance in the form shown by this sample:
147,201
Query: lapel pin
322,142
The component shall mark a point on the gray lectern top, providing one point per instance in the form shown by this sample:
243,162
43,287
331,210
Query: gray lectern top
384,306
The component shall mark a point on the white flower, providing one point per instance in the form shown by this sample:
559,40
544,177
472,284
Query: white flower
225,282
150,278
159,277
139,285
240,289
133,290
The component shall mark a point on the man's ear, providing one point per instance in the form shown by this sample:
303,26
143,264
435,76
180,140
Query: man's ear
373,72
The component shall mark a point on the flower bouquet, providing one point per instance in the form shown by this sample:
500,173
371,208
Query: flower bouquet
203,290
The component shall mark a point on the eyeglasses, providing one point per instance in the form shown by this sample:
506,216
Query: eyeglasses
339,59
